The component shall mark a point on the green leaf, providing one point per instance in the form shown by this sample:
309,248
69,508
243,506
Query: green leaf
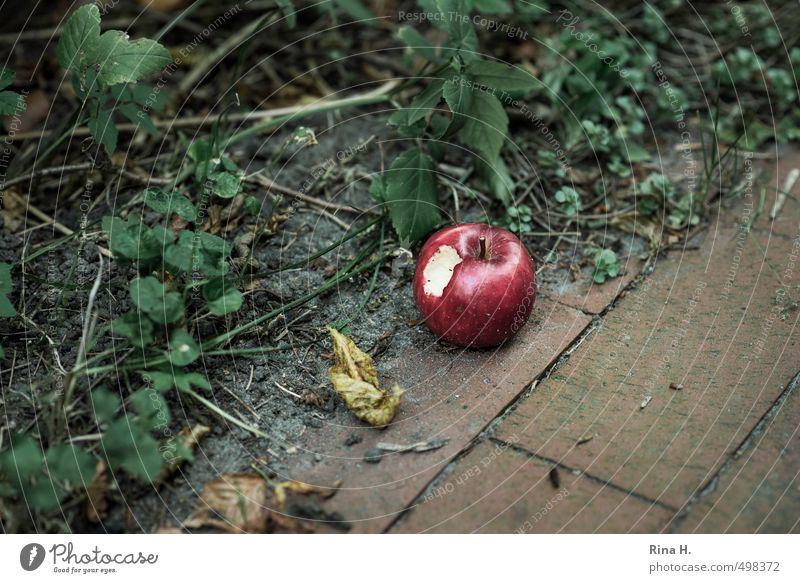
133,240
164,380
501,76
134,327
222,296
70,463
105,404
493,6
252,205
288,11
11,103
7,309
102,128
458,95
23,459
151,408
377,189
138,116
418,43
130,447
356,9
152,297
458,25
183,348
498,179
411,195
200,152
167,203
486,126
123,61
225,184
6,77
44,495
178,256
425,101
79,39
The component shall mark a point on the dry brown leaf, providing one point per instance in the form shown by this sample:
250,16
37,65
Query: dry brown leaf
190,437
355,380
232,502
96,503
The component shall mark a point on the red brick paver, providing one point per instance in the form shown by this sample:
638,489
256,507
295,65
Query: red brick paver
450,395
760,489
495,489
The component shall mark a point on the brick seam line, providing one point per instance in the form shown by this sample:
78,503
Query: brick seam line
583,474
710,486
485,433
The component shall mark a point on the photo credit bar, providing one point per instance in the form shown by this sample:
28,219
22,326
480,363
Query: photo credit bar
209,557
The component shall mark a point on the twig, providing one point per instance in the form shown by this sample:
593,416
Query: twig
270,115
285,390
47,219
788,185
323,204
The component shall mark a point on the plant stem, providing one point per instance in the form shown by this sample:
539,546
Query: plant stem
227,416
383,93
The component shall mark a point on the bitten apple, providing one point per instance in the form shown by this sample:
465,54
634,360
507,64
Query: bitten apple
474,284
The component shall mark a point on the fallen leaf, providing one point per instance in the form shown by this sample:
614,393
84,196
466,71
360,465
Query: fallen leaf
96,504
190,437
232,502
281,489
355,380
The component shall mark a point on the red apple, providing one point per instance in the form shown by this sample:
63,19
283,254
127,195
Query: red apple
474,284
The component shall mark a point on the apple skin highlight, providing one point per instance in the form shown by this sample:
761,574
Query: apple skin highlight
472,300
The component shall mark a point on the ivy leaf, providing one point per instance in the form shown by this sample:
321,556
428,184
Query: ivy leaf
425,101
79,39
222,296
183,349
411,195
102,128
502,76
486,126
167,203
70,463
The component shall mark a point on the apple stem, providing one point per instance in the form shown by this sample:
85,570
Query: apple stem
483,248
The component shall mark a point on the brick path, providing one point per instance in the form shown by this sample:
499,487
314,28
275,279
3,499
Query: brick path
673,408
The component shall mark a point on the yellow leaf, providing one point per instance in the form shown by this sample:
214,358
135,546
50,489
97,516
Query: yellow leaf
355,380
